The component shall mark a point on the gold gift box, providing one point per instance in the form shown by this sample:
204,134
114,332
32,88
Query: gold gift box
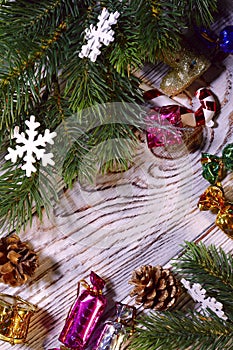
15,314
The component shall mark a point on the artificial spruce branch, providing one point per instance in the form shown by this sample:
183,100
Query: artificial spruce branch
212,268
176,330
21,196
188,329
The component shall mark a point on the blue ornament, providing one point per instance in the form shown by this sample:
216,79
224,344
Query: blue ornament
207,36
226,39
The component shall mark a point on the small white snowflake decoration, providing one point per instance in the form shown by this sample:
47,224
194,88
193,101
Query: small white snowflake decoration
32,146
199,294
101,34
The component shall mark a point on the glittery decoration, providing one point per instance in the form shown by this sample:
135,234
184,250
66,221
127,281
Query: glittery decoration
213,199
115,333
15,315
187,68
226,39
85,314
215,168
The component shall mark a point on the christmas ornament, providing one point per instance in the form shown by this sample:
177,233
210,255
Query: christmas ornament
30,146
203,116
208,107
215,168
17,261
170,123
226,39
101,34
155,288
199,294
187,67
224,42
15,315
213,199
116,332
84,314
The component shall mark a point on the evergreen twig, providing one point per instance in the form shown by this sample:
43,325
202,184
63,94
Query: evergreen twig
175,330
212,268
190,330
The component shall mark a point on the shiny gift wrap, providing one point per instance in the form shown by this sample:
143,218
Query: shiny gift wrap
213,199
224,42
115,333
15,315
84,315
163,126
202,116
215,168
166,136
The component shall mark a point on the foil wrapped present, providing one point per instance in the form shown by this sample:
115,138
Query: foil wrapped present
84,315
115,333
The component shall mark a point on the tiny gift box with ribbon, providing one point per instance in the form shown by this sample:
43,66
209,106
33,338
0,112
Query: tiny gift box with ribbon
115,333
15,315
84,314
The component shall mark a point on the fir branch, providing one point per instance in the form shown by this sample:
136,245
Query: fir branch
102,149
212,268
22,82
114,146
165,28
124,55
175,330
22,196
200,12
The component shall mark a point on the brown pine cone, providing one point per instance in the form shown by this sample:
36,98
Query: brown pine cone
155,288
17,261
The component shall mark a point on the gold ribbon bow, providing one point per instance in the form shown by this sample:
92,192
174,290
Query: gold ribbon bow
213,199
87,286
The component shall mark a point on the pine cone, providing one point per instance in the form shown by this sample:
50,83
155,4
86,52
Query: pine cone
17,261
156,288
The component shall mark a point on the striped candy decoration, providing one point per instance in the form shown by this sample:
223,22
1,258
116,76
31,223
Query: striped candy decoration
208,107
204,114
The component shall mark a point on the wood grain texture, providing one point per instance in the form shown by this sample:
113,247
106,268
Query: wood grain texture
142,216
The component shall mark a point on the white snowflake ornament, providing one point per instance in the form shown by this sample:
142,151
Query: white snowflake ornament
199,294
101,34
32,147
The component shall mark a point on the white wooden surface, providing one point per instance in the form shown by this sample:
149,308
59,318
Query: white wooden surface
126,220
